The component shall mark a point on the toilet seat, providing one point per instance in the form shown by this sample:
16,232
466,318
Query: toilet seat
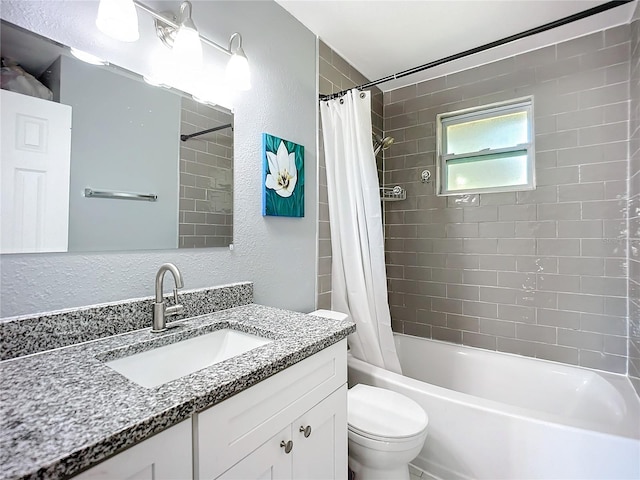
383,415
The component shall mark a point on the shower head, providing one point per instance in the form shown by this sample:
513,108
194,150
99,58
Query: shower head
381,143
387,142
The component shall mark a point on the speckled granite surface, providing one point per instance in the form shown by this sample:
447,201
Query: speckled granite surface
64,410
36,333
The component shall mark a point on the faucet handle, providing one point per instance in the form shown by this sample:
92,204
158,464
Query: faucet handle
173,310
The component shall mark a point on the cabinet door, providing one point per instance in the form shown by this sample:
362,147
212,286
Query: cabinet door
268,462
320,440
165,456
227,432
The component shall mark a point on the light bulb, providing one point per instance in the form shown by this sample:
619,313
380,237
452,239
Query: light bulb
154,82
238,75
211,92
204,101
161,68
118,19
187,47
187,50
87,57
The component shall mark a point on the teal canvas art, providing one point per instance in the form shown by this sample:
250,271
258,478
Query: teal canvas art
283,177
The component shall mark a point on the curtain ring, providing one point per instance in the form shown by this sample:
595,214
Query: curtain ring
362,95
341,101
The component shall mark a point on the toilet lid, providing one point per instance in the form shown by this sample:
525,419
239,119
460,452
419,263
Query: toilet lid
378,412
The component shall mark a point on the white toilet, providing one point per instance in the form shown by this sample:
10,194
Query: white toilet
386,429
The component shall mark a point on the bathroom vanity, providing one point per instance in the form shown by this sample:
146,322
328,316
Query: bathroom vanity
278,409
292,425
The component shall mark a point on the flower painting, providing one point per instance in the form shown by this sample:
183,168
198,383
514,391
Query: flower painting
283,179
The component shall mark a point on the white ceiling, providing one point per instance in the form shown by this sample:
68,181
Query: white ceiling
383,37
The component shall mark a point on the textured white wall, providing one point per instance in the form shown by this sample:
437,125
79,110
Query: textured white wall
277,254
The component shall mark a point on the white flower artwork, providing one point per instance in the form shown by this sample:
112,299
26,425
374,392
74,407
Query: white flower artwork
283,175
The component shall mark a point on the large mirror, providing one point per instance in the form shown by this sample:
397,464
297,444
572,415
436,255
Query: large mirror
120,178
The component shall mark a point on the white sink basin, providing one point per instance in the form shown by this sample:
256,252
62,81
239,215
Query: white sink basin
163,364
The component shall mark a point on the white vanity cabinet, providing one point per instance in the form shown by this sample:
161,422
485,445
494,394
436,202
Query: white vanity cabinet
260,433
290,425
165,456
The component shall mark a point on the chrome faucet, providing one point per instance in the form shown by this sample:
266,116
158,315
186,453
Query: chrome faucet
160,310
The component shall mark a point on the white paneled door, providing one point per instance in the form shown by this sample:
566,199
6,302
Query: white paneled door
35,163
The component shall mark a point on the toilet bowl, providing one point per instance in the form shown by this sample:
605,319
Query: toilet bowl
386,431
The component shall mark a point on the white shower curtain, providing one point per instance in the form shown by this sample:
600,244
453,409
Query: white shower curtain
358,275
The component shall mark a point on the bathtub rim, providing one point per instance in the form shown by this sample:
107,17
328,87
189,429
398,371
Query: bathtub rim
605,373
495,406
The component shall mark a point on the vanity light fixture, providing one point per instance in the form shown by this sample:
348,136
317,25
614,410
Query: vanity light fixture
179,33
237,73
87,57
118,19
187,48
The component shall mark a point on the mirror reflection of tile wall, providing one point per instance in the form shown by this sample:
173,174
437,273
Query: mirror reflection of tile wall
206,178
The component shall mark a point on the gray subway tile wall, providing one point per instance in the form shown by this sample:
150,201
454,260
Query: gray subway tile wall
336,75
633,227
206,178
539,273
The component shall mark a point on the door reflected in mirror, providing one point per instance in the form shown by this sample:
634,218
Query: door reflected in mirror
124,139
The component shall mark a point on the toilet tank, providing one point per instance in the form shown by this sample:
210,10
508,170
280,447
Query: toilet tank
333,315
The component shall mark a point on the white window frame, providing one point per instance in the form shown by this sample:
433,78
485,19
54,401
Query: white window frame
477,113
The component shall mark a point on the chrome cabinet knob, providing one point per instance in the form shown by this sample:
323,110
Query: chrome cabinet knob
306,430
288,446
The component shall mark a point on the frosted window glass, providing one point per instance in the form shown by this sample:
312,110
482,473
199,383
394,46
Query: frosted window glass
495,132
505,170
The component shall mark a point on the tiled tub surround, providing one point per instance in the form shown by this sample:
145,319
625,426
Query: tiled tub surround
29,334
539,273
64,410
634,205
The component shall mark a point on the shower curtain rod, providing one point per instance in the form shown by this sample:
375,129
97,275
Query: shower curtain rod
543,28
184,138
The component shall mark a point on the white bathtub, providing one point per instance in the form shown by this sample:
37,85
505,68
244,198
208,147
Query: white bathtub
502,416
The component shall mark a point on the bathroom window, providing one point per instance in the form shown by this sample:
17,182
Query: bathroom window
486,149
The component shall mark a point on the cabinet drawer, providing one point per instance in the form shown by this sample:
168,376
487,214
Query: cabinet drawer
227,432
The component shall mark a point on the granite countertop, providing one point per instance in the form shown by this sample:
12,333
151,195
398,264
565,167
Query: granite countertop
64,410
